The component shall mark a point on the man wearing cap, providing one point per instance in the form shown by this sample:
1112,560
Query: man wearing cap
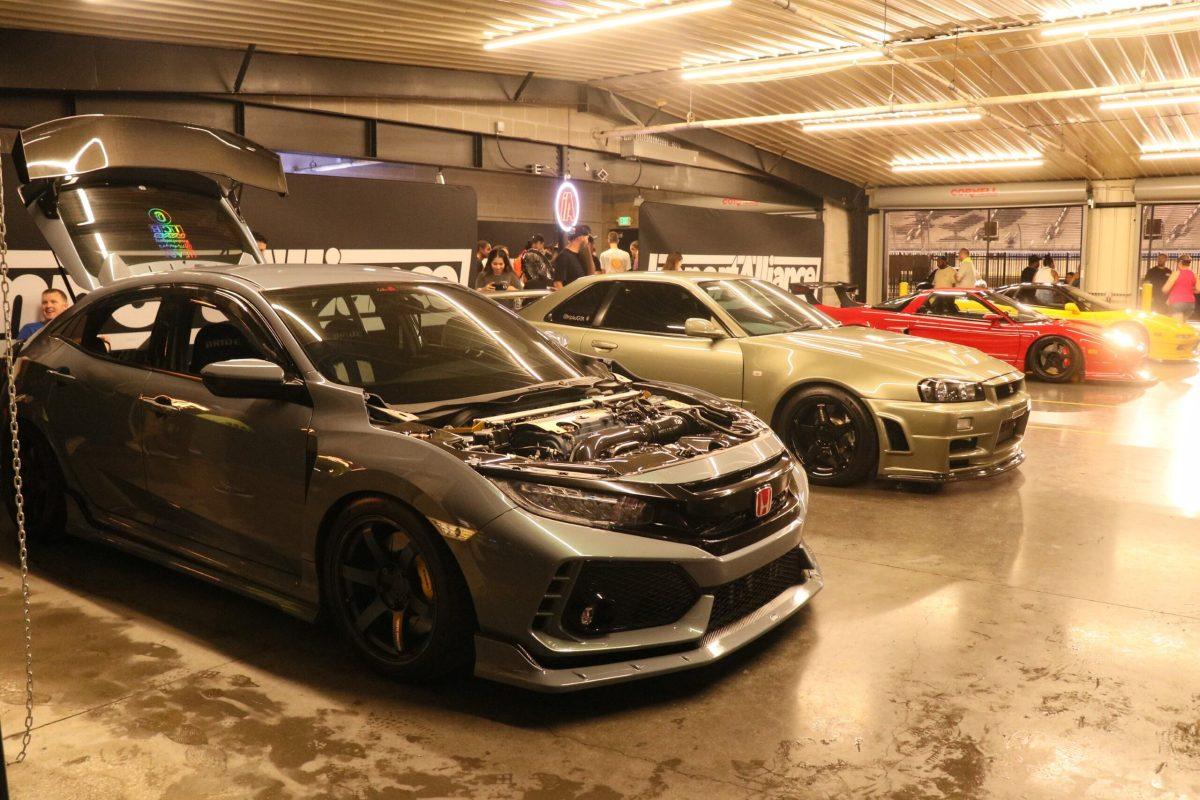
569,264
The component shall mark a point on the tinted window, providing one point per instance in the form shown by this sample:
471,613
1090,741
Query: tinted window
418,344
125,330
581,308
115,226
653,308
896,304
210,328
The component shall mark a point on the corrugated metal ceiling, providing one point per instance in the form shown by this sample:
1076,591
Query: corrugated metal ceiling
643,63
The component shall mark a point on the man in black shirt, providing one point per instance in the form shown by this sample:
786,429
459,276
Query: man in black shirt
1156,276
482,248
568,264
1031,270
535,265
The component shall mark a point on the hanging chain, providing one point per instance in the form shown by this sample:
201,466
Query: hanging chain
18,495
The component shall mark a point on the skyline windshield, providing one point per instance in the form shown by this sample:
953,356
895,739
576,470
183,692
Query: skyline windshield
762,308
420,343
112,226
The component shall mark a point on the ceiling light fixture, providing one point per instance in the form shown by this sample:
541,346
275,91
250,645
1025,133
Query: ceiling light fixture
1113,102
1168,152
1106,23
764,68
1077,10
891,119
614,19
1016,160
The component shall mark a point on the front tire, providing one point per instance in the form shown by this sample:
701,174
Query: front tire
396,594
1055,360
832,435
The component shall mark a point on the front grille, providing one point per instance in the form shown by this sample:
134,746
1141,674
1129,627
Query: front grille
635,594
1007,390
1013,427
736,599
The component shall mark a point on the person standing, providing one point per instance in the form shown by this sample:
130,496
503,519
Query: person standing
674,262
1046,273
633,254
499,275
1180,290
573,261
944,275
966,278
54,302
1072,279
478,260
1156,276
535,265
614,259
1030,270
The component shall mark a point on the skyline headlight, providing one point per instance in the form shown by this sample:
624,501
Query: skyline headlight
949,390
580,506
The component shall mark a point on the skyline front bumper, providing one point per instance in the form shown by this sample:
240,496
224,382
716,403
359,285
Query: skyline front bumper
945,442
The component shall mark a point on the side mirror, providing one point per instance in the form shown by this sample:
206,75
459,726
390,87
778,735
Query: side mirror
244,377
995,319
1071,308
702,328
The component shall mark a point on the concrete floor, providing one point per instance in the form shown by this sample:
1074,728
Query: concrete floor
1026,637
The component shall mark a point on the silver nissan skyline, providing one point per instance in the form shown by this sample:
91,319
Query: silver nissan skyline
450,486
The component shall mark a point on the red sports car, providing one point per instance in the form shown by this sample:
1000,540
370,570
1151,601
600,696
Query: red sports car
1052,350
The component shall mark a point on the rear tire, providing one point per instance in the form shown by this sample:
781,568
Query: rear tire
396,594
832,434
1055,360
43,488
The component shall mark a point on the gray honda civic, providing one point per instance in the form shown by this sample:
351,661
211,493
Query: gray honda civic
451,487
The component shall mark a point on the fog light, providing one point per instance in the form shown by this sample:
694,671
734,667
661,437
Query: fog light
966,423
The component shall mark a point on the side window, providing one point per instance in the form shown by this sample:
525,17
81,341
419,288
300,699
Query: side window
211,327
581,309
653,308
125,330
953,305
1027,295
1049,297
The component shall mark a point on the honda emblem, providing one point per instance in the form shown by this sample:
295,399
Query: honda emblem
762,500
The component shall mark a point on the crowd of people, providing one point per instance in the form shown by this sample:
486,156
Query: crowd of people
538,266
962,274
1173,291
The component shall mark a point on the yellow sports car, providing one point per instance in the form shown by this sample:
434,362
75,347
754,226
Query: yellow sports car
1163,338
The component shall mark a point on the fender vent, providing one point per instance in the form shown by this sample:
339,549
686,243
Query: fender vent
895,436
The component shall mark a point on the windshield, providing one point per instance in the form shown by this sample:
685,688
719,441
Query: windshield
1016,311
419,343
134,224
762,308
1087,302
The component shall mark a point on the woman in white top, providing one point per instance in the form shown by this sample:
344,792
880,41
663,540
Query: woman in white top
1046,273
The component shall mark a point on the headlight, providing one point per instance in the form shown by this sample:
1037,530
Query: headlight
583,507
1123,339
949,390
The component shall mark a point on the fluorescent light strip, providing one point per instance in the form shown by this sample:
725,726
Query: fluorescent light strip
891,120
614,20
1085,27
1027,158
1113,102
857,55
1076,11
1170,155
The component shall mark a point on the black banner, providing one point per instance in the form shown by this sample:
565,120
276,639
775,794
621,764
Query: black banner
780,249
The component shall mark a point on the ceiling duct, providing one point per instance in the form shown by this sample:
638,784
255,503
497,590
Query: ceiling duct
653,148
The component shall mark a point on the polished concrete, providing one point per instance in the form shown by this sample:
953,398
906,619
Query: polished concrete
1033,636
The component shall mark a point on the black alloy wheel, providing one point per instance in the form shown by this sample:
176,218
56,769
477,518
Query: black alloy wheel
42,487
1055,360
832,434
396,593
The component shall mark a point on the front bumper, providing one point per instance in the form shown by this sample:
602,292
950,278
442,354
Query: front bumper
1172,348
944,442
524,638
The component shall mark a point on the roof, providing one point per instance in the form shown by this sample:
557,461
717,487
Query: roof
290,276
672,276
952,49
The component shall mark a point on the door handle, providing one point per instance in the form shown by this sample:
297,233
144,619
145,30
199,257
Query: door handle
600,344
160,404
61,375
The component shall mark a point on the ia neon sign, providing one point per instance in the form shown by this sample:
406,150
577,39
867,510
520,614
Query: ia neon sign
566,206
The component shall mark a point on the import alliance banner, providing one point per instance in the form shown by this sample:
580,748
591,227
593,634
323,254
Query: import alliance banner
427,228
782,250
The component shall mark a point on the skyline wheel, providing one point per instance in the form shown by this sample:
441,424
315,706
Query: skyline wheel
831,434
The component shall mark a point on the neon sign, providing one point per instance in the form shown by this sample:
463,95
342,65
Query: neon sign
566,206
169,236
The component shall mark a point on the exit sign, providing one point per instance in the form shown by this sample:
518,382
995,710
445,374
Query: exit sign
624,222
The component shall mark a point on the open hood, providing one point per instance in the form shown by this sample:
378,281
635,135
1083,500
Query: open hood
72,146
118,196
